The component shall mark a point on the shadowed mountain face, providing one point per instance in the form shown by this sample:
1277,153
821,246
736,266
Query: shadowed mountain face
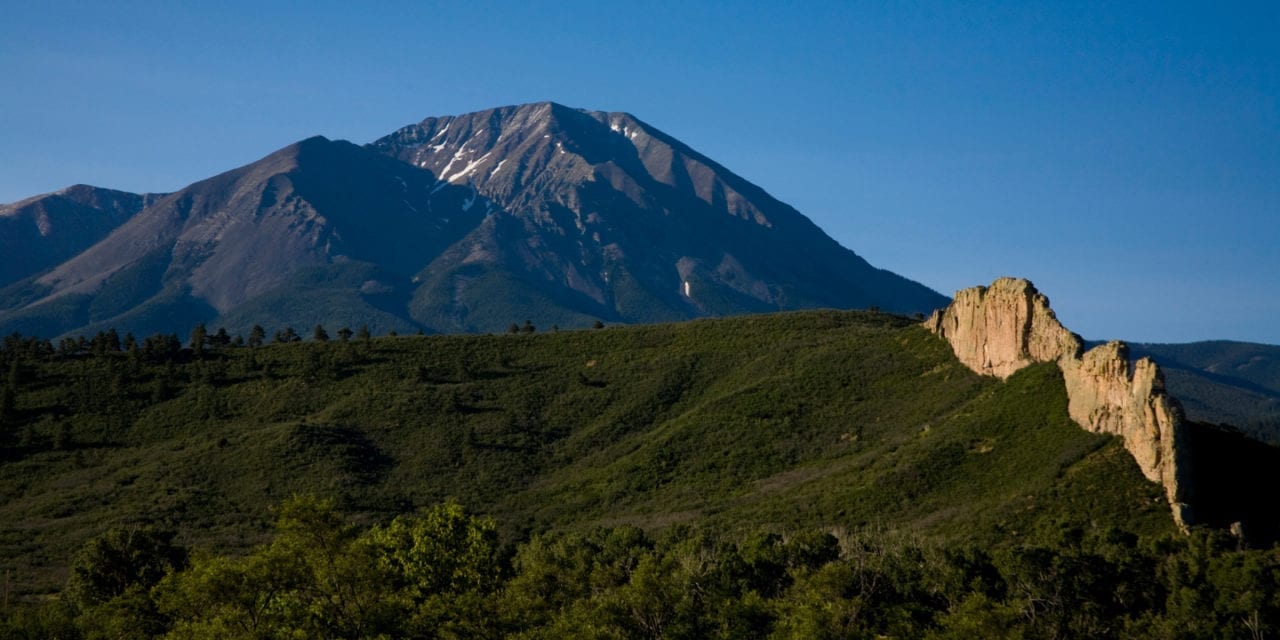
41,232
466,223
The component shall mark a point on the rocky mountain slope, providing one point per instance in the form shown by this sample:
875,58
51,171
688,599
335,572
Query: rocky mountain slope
43,231
615,218
1204,470
466,223
332,211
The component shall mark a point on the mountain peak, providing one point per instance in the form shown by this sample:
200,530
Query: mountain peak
608,188
462,223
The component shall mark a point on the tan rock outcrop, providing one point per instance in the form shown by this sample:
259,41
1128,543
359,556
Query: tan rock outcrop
1000,329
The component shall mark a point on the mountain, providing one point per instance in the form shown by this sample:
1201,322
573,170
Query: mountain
43,231
606,216
291,225
459,224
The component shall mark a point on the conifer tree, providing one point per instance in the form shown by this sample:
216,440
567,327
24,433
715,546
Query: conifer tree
221,338
199,337
287,335
111,340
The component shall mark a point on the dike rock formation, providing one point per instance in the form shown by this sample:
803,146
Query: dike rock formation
1000,329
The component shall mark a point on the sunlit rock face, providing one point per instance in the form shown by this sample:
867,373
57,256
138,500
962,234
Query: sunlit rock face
1000,329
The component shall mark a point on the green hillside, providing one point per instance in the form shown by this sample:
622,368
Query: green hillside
835,420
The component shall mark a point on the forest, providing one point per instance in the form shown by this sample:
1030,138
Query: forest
442,573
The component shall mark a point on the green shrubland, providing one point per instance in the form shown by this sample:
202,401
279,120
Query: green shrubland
709,434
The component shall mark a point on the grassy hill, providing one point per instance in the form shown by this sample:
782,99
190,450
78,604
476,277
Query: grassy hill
837,420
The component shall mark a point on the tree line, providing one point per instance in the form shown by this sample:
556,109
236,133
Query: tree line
443,573
161,346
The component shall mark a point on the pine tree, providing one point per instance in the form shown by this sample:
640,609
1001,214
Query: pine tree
111,340
319,334
287,335
221,338
199,337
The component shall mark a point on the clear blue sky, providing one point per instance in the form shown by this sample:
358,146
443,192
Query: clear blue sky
1125,157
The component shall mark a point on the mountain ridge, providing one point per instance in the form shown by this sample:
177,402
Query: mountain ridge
474,221
37,233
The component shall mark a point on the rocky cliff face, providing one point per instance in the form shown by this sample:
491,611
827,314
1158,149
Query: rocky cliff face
1000,329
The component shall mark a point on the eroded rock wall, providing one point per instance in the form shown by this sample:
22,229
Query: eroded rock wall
1000,329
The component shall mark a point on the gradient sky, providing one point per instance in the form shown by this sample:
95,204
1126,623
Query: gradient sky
1124,157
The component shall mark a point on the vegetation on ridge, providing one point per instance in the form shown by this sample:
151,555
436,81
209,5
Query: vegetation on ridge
842,419
797,458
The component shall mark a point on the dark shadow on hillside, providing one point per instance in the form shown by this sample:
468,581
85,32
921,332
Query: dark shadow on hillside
1235,481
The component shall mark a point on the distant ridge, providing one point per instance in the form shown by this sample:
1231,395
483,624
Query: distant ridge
42,231
1223,381
457,224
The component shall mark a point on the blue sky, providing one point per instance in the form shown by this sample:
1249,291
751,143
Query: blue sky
1125,157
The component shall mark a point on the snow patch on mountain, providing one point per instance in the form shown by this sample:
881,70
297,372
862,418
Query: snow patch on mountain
470,168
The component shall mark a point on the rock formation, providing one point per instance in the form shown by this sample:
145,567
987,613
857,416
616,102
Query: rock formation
1000,329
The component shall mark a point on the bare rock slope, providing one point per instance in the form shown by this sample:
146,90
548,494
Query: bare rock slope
42,231
456,224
